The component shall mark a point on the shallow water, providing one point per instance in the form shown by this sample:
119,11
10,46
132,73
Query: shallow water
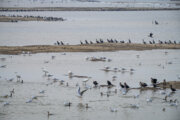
135,25
150,63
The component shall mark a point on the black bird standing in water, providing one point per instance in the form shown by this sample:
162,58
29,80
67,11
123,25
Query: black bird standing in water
151,35
109,83
95,83
122,86
172,89
153,80
126,86
156,22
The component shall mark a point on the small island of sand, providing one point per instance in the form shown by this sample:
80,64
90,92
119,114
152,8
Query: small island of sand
84,48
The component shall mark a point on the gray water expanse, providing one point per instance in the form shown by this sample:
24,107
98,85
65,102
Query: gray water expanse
160,64
91,3
120,25
136,25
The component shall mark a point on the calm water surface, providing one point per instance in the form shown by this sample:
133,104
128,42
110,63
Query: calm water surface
135,25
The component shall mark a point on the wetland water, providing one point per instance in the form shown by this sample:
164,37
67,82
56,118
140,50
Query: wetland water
120,25
136,25
147,64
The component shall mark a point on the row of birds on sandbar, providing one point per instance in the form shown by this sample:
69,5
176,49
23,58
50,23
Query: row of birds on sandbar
101,41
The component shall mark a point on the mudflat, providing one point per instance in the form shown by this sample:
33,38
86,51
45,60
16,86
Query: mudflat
84,48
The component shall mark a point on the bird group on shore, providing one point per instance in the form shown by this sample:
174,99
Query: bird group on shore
101,41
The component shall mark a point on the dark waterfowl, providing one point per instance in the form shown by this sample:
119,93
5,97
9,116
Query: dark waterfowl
81,42
153,80
151,35
156,23
58,43
142,84
62,43
172,89
122,86
91,42
49,114
86,42
95,83
129,41
126,86
109,83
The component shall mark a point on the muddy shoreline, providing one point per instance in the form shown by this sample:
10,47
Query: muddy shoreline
84,48
19,9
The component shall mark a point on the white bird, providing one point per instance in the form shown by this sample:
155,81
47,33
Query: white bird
136,96
29,101
88,87
45,71
124,91
6,103
61,82
52,57
3,66
49,75
80,93
175,104
149,100
85,80
178,76
46,61
106,68
169,62
70,73
67,104
109,60
18,77
11,79
77,84
42,92
113,109
162,92
34,97
55,79
134,106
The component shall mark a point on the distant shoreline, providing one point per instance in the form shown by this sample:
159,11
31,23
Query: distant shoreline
14,50
22,9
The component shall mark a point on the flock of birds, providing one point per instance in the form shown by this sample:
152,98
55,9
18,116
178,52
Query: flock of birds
124,88
101,41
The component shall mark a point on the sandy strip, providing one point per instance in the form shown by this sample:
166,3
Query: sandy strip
84,48
82,9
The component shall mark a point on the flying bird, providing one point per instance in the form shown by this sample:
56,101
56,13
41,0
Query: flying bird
80,93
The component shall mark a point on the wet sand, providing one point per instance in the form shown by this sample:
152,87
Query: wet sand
84,48
83,9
